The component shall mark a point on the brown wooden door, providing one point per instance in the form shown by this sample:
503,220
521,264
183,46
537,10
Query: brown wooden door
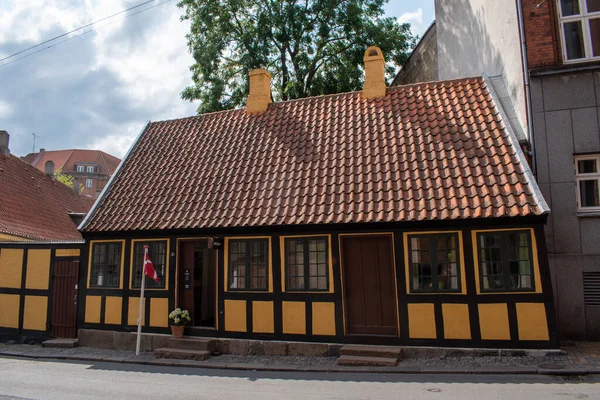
369,285
64,299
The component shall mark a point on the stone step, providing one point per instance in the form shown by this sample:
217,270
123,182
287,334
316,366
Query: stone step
367,361
182,354
371,351
61,343
192,344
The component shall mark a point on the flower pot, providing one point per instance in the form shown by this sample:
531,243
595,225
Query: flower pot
177,331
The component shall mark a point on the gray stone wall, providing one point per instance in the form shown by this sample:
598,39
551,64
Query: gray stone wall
478,37
566,111
421,66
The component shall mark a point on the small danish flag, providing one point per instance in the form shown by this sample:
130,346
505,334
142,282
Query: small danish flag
149,270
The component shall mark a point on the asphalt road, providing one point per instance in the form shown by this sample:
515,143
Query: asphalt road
31,379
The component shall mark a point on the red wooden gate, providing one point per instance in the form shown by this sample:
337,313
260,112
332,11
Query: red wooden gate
64,299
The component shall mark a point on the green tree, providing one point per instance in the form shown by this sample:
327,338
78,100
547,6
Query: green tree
65,179
310,47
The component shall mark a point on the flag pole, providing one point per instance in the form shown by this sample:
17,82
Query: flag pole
141,314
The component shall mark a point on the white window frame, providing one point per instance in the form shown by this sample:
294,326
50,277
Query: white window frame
584,18
586,177
80,168
88,183
90,168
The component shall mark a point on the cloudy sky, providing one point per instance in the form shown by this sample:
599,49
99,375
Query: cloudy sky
97,90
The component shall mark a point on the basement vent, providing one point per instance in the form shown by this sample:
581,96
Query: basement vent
591,288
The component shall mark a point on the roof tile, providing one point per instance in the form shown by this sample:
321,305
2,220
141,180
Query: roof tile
437,150
34,206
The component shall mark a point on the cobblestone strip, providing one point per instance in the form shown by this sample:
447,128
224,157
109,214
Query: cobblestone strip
576,360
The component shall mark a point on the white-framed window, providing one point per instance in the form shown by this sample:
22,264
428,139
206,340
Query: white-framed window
587,175
80,168
580,29
88,183
90,169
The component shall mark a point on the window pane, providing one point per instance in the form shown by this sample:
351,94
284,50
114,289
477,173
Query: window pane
157,253
587,166
574,40
589,194
593,5
507,266
322,283
306,265
569,7
595,36
437,271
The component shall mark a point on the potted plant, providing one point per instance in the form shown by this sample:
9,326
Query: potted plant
179,318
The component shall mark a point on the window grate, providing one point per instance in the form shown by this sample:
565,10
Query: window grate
591,288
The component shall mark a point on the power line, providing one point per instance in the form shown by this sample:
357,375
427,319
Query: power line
78,29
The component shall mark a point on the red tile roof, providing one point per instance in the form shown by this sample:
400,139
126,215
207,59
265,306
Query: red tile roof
66,159
429,151
34,206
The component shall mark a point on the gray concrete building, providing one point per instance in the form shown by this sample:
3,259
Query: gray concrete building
543,60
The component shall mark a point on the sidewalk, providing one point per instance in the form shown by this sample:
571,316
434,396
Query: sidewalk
581,359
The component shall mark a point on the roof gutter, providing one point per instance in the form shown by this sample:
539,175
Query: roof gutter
527,84
514,142
114,176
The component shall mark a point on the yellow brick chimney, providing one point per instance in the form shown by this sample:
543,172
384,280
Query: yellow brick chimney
374,73
260,91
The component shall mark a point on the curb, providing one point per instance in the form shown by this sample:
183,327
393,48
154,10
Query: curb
166,362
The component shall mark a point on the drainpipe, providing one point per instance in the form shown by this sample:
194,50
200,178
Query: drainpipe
527,86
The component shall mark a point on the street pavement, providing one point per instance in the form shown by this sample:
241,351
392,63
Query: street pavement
580,359
44,379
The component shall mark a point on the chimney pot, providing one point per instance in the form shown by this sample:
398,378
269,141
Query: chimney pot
260,91
76,185
4,138
49,168
374,85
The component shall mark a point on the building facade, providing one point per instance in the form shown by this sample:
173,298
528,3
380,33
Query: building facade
91,168
563,54
543,62
403,215
40,250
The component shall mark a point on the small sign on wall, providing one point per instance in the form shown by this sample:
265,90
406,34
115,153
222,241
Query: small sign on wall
186,279
215,243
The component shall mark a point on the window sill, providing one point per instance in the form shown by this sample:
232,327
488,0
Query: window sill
588,214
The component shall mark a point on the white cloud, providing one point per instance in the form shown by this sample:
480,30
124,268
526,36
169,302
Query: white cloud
415,17
117,144
6,109
96,90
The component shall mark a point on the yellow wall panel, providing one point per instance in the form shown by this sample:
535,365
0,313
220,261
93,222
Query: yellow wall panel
262,317
133,311
456,321
294,317
35,313
531,320
92,309
159,312
67,253
493,321
323,319
113,310
38,269
11,268
421,321
9,310
235,315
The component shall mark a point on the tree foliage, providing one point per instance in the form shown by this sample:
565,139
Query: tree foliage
66,179
63,178
310,47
